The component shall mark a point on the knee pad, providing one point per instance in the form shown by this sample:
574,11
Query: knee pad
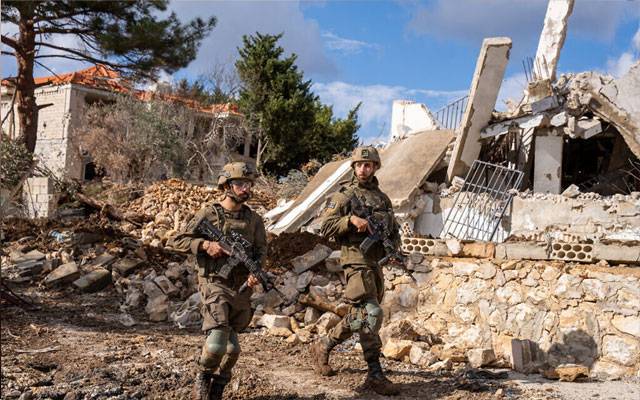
217,341
374,316
214,348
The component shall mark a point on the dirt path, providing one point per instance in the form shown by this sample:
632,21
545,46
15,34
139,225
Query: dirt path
88,354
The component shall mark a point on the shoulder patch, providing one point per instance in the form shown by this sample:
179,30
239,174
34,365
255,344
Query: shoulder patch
331,204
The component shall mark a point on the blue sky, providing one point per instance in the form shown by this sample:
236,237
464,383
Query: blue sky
378,51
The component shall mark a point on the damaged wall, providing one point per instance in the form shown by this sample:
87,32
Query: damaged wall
534,216
585,315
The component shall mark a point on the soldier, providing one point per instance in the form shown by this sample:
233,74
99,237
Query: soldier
365,282
225,311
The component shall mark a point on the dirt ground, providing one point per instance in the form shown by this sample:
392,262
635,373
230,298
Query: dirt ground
74,347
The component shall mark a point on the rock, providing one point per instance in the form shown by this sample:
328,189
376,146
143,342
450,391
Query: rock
30,268
421,355
471,291
289,288
94,281
293,340
480,357
327,321
304,280
396,349
311,258
80,238
151,289
571,372
444,365
270,321
401,329
406,295
332,262
18,257
133,298
158,308
279,331
568,287
421,278
571,192
454,246
126,266
630,325
486,270
166,285
104,260
65,273
271,301
174,271
551,273
319,280
126,320
461,268
311,315
289,310
604,370
304,335
188,314
621,350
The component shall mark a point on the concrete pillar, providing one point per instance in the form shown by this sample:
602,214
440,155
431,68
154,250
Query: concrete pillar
552,38
547,174
40,197
485,86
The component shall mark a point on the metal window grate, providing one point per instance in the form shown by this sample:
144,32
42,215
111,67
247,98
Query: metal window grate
480,204
451,115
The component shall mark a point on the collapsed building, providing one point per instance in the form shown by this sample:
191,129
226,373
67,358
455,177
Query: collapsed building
513,219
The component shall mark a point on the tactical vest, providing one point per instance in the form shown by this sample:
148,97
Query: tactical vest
242,222
376,201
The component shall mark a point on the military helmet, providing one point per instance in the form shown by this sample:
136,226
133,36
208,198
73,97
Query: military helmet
236,170
365,153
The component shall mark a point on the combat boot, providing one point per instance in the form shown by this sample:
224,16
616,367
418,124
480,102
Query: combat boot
320,351
202,386
217,388
376,380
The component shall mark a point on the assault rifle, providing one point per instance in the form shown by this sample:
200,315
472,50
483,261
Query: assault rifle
235,245
378,232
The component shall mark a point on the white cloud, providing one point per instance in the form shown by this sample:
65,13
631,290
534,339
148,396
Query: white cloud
346,46
472,20
620,65
377,100
237,18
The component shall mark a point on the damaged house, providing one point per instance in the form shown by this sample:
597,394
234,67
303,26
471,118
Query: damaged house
62,100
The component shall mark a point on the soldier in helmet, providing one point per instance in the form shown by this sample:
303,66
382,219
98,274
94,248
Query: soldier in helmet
365,282
225,310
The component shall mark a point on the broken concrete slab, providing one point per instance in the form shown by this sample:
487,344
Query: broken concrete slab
522,251
65,273
313,196
618,252
311,258
409,117
333,262
552,38
104,260
270,321
33,255
487,79
480,357
167,287
547,175
94,281
502,128
126,266
408,163
30,268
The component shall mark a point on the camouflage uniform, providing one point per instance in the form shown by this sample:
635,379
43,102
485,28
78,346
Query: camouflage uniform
225,311
365,281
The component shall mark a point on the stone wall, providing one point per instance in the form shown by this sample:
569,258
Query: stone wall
582,314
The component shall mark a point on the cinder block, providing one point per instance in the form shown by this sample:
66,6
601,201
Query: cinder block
616,253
